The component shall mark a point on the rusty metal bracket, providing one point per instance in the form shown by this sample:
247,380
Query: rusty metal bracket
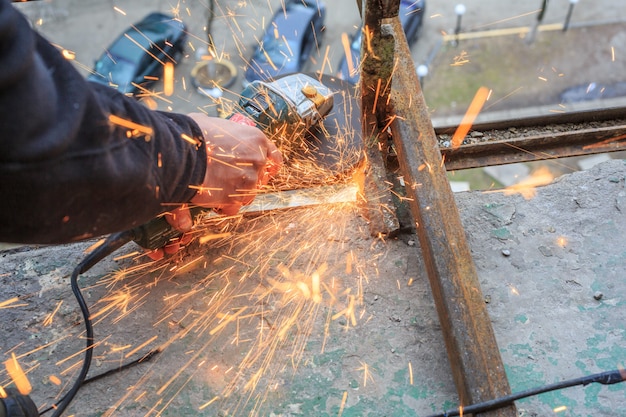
392,101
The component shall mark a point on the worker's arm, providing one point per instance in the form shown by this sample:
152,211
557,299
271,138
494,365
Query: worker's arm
69,168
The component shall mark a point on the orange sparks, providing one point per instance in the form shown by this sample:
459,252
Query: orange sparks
343,403
168,79
18,376
528,187
3,393
48,320
146,130
191,140
460,59
345,41
367,374
211,401
54,379
207,238
69,55
141,346
7,303
468,120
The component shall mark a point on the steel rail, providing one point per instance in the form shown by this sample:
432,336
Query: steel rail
543,146
554,135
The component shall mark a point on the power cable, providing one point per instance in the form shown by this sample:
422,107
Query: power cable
604,378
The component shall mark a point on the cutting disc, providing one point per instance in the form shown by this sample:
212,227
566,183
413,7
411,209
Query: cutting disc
332,150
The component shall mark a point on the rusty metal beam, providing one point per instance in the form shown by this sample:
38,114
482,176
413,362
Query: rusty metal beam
397,102
550,136
374,87
540,147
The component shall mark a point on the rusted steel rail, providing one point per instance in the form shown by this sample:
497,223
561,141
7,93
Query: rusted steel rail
392,98
552,136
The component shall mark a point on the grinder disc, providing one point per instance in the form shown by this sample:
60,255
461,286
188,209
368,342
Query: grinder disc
330,151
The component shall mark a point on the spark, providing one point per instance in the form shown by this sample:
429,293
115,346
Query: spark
208,403
528,187
54,379
48,320
367,374
460,59
141,346
7,303
17,375
344,398
193,141
468,120
120,11
560,409
146,130
69,55
410,373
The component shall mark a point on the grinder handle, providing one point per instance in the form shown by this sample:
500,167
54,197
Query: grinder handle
158,232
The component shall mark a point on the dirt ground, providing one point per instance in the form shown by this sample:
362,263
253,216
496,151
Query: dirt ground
302,312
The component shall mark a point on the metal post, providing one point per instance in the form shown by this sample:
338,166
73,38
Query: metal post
572,3
530,38
394,99
460,11
422,71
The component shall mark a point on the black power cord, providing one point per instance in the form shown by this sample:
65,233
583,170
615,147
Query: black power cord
604,378
113,242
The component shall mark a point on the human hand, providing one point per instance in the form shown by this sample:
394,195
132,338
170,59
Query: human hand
240,160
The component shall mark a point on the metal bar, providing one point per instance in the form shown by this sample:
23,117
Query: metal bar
577,116
374,86
474,357
539,147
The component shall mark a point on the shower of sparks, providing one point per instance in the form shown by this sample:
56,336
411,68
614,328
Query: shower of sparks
261,287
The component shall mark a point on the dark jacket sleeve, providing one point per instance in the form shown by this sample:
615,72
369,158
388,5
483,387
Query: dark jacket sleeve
70,171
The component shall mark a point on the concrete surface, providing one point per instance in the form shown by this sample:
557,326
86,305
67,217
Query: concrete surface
242,334
240,324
